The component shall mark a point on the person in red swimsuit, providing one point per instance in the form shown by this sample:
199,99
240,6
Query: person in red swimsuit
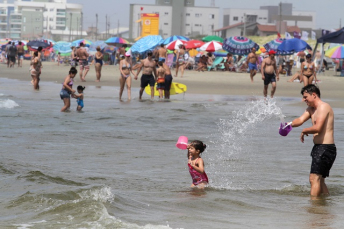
196,164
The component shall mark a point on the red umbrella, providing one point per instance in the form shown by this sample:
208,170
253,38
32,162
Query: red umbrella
211,46
193,44
175,44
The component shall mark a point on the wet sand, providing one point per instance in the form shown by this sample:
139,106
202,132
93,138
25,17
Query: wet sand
208,82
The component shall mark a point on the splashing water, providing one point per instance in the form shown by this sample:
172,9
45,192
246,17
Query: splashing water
7,103
235,133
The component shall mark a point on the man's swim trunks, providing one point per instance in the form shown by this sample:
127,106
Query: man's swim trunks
323,156
168,82
147,79
269,78
162,59
84,65
252,66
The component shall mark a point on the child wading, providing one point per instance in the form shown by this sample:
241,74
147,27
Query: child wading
196,164
80,97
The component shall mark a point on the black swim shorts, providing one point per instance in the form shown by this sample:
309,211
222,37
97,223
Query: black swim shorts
323,156
147,79
168,82
269,78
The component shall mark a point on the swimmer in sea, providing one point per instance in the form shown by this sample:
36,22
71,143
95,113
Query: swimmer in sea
161,79
196,164
80,97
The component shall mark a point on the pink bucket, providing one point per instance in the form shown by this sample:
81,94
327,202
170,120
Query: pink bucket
285,129
182,142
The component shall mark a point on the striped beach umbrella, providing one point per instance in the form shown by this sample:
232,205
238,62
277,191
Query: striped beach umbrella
116,40
273,45
76,43
65,49
239,45
175,44
336,52
173,38
193,44
211,46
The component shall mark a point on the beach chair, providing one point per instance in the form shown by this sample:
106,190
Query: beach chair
216,62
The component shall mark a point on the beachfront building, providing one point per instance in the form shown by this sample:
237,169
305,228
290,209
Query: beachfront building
30,19
265,21
176,17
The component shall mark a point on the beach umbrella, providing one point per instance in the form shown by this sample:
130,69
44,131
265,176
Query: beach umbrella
212,38
116,40
193,52
33,45
146,43
336,52
76,43
173,38
220,53
211,46
94,45
239,45
175,44
65,49
273,45
193,44
109,49
291,46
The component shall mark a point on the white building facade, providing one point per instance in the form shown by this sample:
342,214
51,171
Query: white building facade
176,18
235,16
29,19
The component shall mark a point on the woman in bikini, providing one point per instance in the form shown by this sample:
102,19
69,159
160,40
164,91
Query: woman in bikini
125,78
180,62
308,71
98,60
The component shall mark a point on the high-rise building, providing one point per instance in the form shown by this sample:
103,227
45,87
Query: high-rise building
176,17
28,19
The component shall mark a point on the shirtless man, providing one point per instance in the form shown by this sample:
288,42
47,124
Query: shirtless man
180,60
269,69
147,77
162,53
82,54
168,80
324,151
20,49
252,62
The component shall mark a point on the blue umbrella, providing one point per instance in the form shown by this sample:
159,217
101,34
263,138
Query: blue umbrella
291,46
146,43
95,44
173,38
273,45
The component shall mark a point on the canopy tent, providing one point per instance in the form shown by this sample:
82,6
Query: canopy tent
334,37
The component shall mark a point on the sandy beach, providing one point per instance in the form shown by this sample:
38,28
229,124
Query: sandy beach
209,82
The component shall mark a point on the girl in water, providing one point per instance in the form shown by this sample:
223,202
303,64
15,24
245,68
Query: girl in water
308,71
80,97
161,80
125,67
196,164
67,88
98,59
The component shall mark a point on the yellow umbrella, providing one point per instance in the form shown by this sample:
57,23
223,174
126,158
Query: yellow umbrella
193,52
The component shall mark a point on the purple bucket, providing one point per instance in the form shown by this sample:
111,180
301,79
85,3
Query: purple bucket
285,129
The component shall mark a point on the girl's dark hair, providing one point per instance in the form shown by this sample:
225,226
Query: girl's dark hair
198,145
73,70
40,48
81,88
35,53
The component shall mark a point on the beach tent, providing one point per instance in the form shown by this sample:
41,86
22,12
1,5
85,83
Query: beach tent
334,37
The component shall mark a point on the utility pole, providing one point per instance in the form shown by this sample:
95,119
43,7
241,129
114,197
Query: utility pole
280,20
106,28
118,28
244,24
70,27
340,23
77,28
82,23
96,26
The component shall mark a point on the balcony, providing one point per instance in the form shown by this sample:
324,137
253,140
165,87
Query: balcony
60,23
3,13
3,30
15,30
61,14
15,21
16,12
2,22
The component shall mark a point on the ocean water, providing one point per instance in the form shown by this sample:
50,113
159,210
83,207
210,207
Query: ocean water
115,165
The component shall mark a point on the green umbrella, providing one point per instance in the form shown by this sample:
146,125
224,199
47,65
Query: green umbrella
212,38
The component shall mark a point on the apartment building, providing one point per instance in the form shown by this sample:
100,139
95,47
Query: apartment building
29,19
176,17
